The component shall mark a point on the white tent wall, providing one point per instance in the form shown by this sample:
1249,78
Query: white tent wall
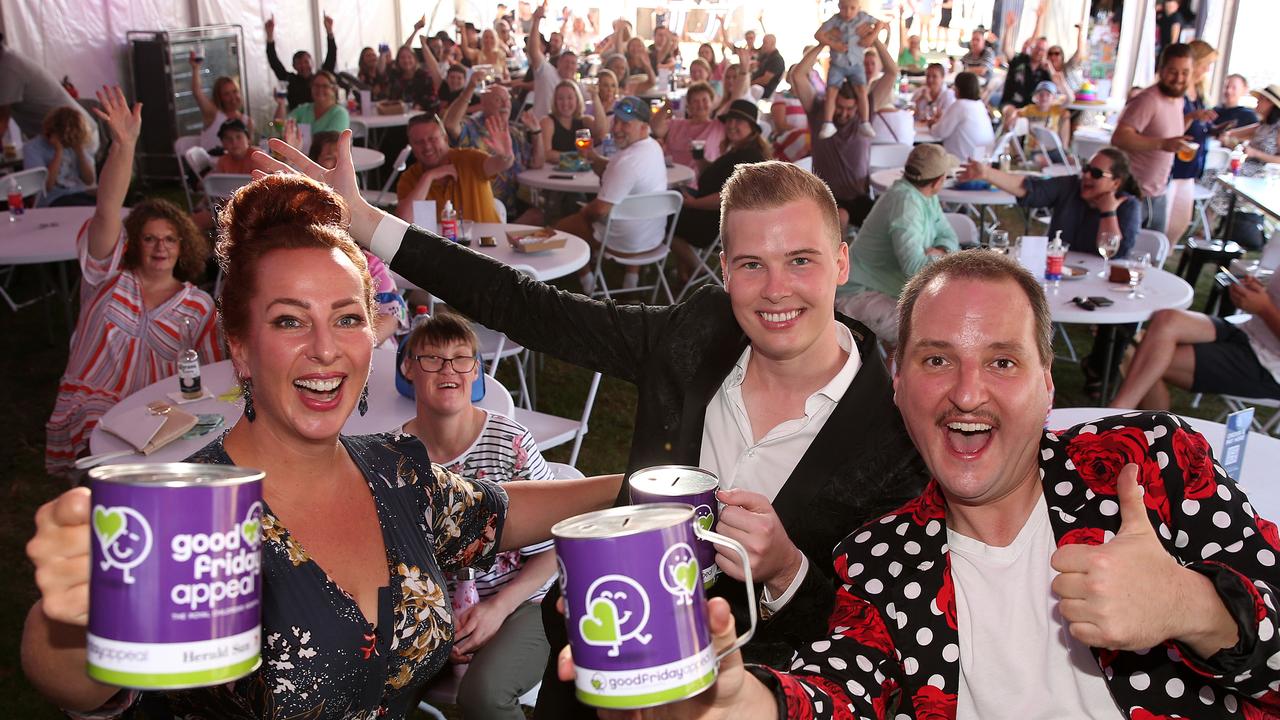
84,39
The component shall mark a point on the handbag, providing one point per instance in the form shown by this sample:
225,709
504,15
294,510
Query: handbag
1247,229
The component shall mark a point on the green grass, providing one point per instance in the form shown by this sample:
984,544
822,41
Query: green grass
32,365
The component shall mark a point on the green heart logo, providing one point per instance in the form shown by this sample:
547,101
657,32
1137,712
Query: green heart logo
597,682
600,626
107,524
704,522
686,575
250,529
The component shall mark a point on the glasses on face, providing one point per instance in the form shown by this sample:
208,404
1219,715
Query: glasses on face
1095,173
462,364
168,240
1052,53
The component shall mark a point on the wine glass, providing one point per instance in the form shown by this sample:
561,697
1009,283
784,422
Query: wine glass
484,71
1137,272
1108,246
582,141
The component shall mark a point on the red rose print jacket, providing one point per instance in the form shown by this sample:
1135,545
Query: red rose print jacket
896,576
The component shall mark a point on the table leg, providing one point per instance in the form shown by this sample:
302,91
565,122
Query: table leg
1231,217
1110,330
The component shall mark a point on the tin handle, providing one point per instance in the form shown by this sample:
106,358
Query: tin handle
734,545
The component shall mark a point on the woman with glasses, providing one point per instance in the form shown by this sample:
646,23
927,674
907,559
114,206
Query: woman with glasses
138,308
357,531
324,113
1068,73
1102,200
501,637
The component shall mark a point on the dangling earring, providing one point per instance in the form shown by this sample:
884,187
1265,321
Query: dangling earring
363,406
246,389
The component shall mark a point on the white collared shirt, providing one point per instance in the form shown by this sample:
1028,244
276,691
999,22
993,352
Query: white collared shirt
730,451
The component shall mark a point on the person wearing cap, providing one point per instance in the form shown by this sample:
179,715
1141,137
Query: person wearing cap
1043,112
904,232
637,168
965,125
699,223
236,149
1262,147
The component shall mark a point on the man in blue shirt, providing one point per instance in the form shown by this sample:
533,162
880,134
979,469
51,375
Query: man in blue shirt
1231,114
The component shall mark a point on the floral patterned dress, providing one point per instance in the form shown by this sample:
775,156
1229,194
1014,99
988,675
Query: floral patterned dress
320,656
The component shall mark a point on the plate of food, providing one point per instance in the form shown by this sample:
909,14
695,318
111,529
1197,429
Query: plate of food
1074,272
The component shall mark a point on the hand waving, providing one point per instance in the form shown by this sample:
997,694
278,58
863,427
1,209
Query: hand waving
125,124
499,133
328,24
270,27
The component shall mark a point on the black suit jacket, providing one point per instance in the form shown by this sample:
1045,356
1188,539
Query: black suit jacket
861,464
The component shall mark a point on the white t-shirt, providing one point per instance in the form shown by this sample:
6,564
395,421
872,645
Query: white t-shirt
635,170
964,127
545,79
1265,344
1017,659
209,139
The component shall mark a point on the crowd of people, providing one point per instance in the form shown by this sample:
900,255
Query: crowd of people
858,380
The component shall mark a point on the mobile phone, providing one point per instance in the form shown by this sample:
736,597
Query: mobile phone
555,176
1101,301
488,241
1230,276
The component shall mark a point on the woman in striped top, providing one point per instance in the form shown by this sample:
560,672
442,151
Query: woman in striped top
138,308
501,637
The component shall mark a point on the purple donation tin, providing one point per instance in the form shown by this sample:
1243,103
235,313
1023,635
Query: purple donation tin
684,484
174,595
635,610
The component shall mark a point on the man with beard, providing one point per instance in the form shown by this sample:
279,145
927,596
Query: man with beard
1151,130
1111,570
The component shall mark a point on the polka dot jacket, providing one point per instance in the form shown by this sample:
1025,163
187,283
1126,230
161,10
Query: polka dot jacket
877,663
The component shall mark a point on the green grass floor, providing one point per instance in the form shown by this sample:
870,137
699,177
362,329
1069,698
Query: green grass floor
32,363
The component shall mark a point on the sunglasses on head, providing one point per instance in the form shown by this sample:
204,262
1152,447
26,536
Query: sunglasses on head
1095,173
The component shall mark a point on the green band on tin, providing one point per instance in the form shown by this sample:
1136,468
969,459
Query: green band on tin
174,681
661,697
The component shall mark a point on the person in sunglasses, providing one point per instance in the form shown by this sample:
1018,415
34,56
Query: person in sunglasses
1102,200
500,639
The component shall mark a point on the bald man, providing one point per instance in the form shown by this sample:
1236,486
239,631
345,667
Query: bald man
769,66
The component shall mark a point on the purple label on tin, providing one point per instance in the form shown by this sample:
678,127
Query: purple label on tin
705,516
635,601
175,564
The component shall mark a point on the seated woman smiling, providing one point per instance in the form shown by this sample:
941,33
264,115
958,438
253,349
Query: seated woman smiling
357,531
501,637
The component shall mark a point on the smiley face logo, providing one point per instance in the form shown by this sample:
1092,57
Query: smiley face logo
704,517
124,537
616,610
678,571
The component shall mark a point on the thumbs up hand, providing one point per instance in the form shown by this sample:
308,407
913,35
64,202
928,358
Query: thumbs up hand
1126,593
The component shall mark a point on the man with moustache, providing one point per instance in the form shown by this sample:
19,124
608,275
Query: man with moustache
1111,570
760,382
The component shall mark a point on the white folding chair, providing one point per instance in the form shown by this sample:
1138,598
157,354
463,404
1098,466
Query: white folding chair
497,399
704,272
31,184
1235,403
651,206
965,228
220,186
1010,143
386,198
565,471
494,347
552,430
180,148
1153,243
1048,140
501,208
359,131
888,156
1215,161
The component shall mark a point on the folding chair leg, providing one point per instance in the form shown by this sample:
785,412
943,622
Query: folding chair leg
586,415
1060,329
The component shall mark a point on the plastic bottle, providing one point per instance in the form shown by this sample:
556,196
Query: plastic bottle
449,222
607,148
189,365
16,209
465,595
1057,252
1237,159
